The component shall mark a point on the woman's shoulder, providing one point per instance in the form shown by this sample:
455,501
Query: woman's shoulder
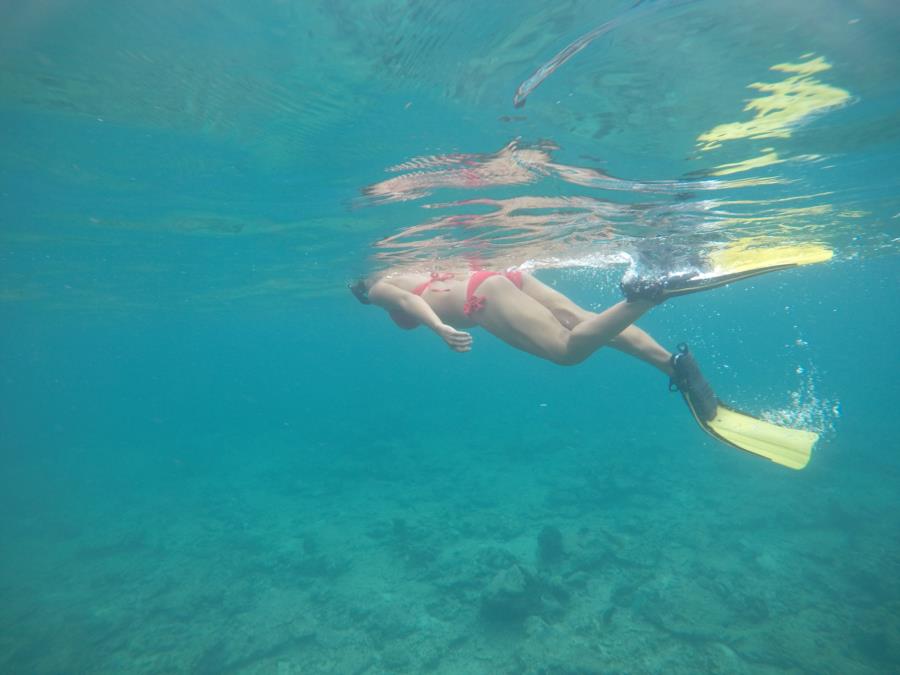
404,280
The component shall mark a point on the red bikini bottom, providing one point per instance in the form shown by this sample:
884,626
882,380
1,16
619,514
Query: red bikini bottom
475,303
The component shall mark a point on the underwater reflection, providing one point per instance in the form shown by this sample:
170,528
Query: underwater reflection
784,105
520,164
637,10
544,231
554,229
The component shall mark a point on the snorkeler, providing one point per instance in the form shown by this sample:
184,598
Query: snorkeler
530,316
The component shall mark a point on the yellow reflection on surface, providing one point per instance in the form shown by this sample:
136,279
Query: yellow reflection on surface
768,158
783,106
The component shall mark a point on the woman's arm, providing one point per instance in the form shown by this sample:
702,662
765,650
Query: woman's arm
390,297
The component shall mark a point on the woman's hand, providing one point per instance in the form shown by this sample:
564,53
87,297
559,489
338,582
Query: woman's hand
457,340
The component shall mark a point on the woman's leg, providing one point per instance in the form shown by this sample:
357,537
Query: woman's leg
522,321
566,312
632,340
638,343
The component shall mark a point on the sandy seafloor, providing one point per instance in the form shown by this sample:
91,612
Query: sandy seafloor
413,562
244,495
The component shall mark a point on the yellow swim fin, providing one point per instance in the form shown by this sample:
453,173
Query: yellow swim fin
741,259
745,258
755,253
789,447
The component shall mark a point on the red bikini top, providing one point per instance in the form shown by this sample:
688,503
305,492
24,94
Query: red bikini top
404,320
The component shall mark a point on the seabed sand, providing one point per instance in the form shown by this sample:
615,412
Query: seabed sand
423,556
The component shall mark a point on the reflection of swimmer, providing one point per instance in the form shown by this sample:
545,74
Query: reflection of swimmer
510,166
518,228
532,317
514,164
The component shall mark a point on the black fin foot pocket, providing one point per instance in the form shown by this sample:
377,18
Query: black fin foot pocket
688,379
656,288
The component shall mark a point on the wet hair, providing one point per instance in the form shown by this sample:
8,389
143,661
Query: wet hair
361,291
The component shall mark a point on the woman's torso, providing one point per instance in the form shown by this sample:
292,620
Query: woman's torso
445,293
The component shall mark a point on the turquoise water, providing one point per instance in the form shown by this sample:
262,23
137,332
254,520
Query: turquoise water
214,460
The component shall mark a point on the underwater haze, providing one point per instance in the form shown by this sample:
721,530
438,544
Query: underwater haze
213,459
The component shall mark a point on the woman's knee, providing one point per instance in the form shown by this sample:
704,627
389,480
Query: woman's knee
564,356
